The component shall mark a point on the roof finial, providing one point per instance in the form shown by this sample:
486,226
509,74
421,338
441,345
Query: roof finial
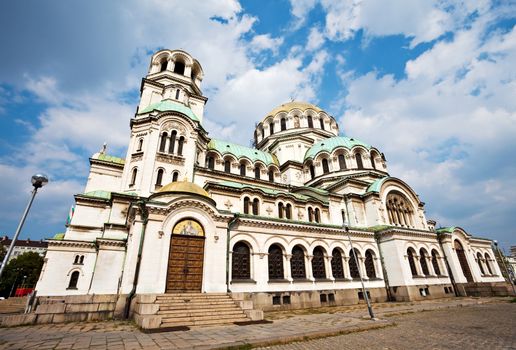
292,98
103,149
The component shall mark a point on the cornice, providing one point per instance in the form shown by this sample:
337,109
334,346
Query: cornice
70,243
107,164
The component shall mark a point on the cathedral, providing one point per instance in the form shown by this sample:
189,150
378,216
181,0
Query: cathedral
296,221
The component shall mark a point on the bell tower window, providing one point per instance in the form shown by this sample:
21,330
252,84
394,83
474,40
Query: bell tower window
312,171
310,122
180,146
140,145
159,177
163,66
175,176
211,163
271,128
325,166
283,123
257,172
163,142
242,169
321,121
227,166
342,162
179,68
133,177
358,158
172,144
271,175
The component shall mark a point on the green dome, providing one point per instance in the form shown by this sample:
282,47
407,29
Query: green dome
169,105
239,151
329,145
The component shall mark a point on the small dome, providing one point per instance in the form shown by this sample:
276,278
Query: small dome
332,143
184,187
287,107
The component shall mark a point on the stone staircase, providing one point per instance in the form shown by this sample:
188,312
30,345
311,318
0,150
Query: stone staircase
13,305
181,310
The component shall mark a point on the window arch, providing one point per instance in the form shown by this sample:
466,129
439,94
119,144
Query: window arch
479,262
317,215
172,143
175,175
312,171
257,172
288,211
358,157
342,161
227,166
463,261
179,67
271,175
399,209
310,214
133,177
271,128
242,169
488,264
310,121
373,164
422,261
241,262
180,144
74,279
163,142
337,268
321,122
159,177
411,261
369,264
283,124
353,264
256,206
140,145
435,262
281,209
246,205
297,263
177,94
325,166
318,268
211,162
163,66
81,260
275,262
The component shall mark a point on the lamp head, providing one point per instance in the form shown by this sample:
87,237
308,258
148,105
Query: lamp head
39,180
495,242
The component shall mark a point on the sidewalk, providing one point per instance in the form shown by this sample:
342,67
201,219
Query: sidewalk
286,327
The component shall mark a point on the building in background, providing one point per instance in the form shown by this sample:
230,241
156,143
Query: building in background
23,246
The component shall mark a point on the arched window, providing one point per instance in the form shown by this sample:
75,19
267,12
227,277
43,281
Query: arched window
175,174
325,166
159,177
399,209
271,128
321,121
342,162
227,166
310,214
463,261
180,146
74,278
358,158
297,263
242,169
172,144
288,211
312,171
353,264
163,142
179,68
271,175
211,163
337,269
177,94
241,262
373,164
283,123
81,260
317,215
257,172
140,145
76,260
369,264
280,210
422,261
318,268
256,206
479,262
133,177
488,263
275,262
246,205
163,66
310,121
411,261
435,262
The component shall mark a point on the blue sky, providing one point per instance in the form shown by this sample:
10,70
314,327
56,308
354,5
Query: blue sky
430,83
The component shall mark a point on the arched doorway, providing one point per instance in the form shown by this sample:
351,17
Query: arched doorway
185,262
463,261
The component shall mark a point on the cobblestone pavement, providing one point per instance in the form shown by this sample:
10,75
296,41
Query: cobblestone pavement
487,326
479,321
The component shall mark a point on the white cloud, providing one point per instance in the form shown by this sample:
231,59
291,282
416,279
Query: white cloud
315,39
265,42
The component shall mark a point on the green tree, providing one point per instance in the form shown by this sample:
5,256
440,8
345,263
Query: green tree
28,264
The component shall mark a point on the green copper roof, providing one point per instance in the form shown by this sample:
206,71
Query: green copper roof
111,159
375,186
241,151
98,194
332,143
59,236
446,229
169,105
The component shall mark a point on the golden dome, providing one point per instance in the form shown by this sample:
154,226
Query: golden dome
185,187
287,107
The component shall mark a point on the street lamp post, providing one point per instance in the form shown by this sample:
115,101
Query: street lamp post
38,181
505,267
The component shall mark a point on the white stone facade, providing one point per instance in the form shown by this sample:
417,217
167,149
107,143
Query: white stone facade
272,218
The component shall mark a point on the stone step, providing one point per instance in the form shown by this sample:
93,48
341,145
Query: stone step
182,302
165,307
201,322
199,312
221,297
192,295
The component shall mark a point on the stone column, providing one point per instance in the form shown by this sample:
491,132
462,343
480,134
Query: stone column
361,266
327,267
418,265
430,265
345,267
378,268
286,267
308,266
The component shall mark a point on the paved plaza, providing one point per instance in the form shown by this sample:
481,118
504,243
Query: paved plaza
465,323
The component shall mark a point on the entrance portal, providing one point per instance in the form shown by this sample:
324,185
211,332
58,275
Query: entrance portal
185,263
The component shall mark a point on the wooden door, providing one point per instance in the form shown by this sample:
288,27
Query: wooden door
185,264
